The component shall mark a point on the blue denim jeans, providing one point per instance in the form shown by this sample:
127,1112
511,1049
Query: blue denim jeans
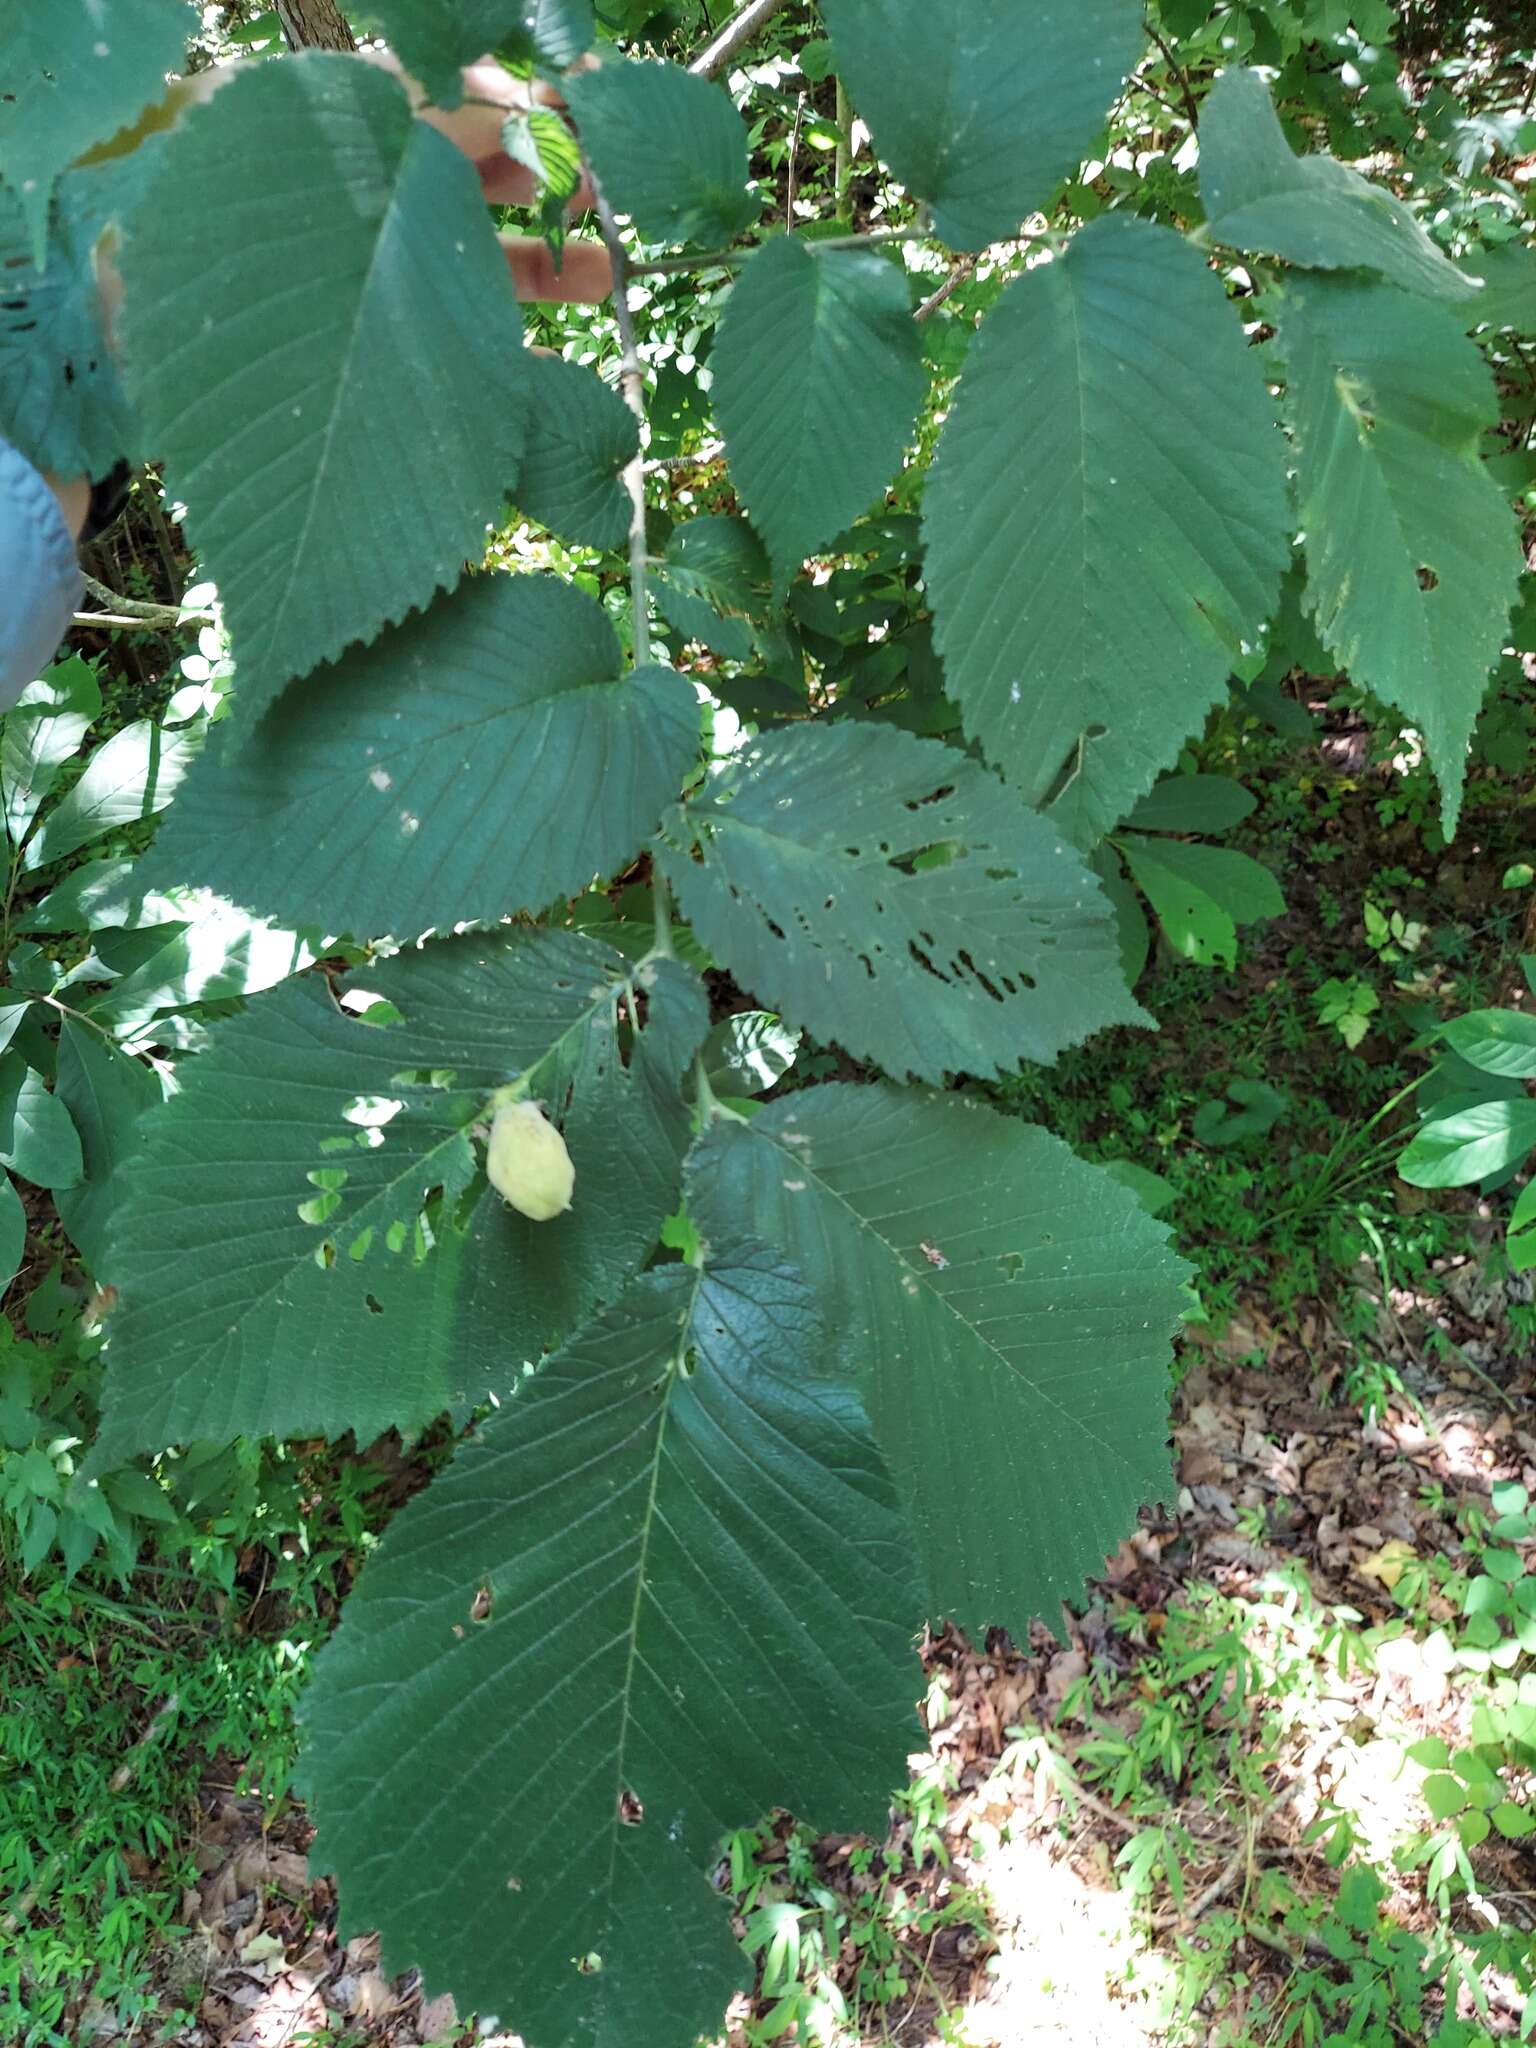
40,580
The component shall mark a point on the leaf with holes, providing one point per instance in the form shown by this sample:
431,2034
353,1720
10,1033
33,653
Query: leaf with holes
581,437
1311,210
982,111
486,757
1413,555
625,1573
76,71
890,895
332,368
61,397
1006,1309
668,149
378,1280
818,380
1107,520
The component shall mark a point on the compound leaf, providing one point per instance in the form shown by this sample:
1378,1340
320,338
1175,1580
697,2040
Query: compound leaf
818,378
378,1280
1413,555
982,110
1107,519
581,437
1311,210
889,894
1006,1307
673,1564
483,758
75,72
668,149
332,367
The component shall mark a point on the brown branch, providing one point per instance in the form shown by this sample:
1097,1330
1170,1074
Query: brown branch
738,31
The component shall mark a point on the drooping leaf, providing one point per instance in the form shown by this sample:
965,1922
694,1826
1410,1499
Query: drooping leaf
668,149
435,39
38,735
1470,1143
542,141
1107,519
60,394
106,1092
1201,894
1413,554
1006,1307
982,111
1192,803
483,758
1495,1041
130,776
38,1140
818,378
332,367
75,72
318,1143
891,895
1311,210
671,1570
581,436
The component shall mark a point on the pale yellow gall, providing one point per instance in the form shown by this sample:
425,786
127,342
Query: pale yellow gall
527,1164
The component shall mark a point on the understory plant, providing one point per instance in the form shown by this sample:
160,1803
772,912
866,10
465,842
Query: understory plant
759,1387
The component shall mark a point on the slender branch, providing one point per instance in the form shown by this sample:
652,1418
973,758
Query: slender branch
957,277
632,385
739,30
1180,74
712,259
169,618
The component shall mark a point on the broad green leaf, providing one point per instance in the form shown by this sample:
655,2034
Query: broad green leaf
695,618
818,378
37,1138
1152,1190
129,777
206,952
13,1231
336,387
318,1143
662,1590
75,72
1192,803
1472,1142
1132,929
1201,894
1495,1042
1311,210
91,895
435,39
1006,1307
983,110
890,895
581,437
1107,520
1413,554
483,758
747,1053
13,1010
668,149
39,734
106,1092
1508,297
61,398
721,559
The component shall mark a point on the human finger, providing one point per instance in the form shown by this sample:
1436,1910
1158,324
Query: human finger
585,276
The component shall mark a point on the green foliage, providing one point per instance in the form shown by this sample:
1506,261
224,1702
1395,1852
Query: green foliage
434,39
320,524
1412,555
581,435
1104,528
675,1697
1007,104
668,149
818,382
